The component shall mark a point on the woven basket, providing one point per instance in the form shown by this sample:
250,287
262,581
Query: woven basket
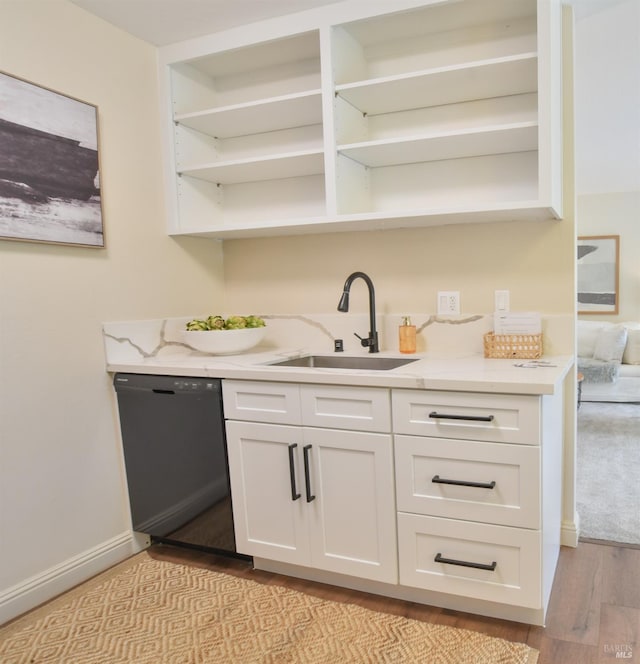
512,346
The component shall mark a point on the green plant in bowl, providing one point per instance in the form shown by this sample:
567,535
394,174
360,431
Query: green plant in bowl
218,336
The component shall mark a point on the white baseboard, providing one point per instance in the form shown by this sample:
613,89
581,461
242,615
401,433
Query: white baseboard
570,532
48,584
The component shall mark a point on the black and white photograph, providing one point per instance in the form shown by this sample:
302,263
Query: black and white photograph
49,166
598,274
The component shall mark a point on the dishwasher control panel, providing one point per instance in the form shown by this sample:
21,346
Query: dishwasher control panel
166,383
188,385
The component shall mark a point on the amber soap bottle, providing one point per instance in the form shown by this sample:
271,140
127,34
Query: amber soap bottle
407,336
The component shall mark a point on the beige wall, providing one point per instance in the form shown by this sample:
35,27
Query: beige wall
617,213
61,487
408,267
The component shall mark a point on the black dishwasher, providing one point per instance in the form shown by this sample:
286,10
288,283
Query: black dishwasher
176,460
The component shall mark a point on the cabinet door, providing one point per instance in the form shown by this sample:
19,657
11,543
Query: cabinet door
493,563
346,407
261,401
461,479
353,528
266,476
500,418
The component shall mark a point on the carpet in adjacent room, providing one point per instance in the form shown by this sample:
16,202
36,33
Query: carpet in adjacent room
608,471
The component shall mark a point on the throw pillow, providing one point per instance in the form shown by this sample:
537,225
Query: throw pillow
632,349
588,332
610,344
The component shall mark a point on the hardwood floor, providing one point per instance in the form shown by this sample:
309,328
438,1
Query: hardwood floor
593,617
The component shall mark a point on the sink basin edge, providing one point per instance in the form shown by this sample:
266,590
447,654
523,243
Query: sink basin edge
364,363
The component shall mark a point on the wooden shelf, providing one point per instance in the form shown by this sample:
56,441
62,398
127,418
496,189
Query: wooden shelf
283,112
276,167
481,79
516,137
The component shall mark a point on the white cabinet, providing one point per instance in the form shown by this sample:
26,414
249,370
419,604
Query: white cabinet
469,480
439,109
269,518
444,112
316,497
449,498
247,144
474,560
479,508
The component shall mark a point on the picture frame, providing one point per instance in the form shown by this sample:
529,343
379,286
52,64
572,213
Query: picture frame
49,166
598,274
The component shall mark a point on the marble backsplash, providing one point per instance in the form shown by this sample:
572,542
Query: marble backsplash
439,336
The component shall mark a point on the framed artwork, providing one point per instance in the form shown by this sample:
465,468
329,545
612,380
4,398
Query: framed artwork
598,258
49,166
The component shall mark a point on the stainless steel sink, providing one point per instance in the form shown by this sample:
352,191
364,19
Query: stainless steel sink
342,362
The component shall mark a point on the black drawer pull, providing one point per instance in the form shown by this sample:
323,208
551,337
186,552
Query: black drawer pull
478,485
464,563
307,479
472,418
292,472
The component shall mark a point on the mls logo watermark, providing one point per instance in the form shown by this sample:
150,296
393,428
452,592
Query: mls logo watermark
618,650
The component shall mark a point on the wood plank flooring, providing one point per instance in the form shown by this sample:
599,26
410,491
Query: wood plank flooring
593,617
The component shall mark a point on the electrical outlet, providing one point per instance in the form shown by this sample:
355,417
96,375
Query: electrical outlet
448,302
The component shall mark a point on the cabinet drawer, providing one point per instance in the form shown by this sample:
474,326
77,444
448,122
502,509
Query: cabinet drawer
493,563
340,407
502,418
459,479
255,401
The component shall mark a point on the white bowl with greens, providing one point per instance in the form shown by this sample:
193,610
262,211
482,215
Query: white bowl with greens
219,336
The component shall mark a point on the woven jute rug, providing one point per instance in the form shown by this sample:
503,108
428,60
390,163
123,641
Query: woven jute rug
156,612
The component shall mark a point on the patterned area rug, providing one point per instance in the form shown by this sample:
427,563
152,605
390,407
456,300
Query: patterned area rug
147,611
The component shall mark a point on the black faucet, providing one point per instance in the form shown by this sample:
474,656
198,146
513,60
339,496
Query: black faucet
372,340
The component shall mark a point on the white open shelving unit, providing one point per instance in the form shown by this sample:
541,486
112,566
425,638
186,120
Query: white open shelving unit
443,112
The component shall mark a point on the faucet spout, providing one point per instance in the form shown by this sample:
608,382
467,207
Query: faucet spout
343,305
372,340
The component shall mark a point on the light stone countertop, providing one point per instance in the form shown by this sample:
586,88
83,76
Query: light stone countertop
472,373
454,359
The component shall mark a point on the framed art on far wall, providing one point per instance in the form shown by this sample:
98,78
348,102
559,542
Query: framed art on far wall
598,270
49,166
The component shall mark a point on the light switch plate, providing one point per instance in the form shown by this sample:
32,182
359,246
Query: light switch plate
502,300
448,302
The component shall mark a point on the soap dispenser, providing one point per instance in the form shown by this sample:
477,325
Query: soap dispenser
407,336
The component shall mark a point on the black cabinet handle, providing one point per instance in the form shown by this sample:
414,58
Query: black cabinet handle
472,418
464,563
292,472
307,479
436,479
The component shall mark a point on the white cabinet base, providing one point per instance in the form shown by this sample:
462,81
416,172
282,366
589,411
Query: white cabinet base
460,547
431,598
313,495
